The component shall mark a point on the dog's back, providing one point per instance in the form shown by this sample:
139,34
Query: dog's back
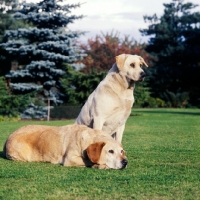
32,142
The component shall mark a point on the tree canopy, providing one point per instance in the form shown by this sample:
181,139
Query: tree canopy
174,41
7,22
102,50
41,49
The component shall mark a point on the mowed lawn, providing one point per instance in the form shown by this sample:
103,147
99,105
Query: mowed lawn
163,150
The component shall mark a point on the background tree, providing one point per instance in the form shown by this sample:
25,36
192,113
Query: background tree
102,50
174,40
7,7
41,50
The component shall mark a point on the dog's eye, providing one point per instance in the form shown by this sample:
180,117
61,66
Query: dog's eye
132,65
111,151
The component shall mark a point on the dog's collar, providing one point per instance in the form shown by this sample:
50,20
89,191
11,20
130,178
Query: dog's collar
131,84
127,83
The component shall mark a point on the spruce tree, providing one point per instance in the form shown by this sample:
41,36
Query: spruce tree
42,49
174,40
6,22
7,7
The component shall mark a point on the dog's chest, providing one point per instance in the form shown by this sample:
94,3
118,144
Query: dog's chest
124,109
119,115
126,100
124,105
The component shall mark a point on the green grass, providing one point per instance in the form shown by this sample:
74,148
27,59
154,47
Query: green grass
163,150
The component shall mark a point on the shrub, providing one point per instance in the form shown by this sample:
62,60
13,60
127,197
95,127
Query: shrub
9,118
11,105
176,100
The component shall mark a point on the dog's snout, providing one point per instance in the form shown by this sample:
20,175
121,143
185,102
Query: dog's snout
124,163
142,74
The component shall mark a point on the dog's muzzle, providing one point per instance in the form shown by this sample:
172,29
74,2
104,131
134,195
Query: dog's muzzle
124,163
142,76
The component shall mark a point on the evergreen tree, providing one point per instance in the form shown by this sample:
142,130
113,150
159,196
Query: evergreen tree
174,40
7,7
6,21
42,49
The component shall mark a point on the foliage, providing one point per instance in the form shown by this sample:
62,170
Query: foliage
78,86
41,49
177,100
34,112
102,50
11,105
162,147
7,7
9,119
174,40
143,97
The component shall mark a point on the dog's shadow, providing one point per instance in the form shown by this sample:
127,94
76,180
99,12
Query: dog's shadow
2,155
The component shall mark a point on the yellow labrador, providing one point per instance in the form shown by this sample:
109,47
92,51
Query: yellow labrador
71,145
109,106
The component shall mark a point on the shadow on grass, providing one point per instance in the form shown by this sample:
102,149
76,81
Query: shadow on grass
2,155
166,112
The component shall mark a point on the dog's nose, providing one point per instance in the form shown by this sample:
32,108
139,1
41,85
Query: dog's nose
124,163
142,74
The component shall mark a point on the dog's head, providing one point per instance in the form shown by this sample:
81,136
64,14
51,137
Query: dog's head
107,155
130,66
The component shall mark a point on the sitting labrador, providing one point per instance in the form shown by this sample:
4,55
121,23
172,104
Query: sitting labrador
109,106
71,145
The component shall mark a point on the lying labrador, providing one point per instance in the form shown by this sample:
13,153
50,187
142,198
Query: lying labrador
71,145
109,106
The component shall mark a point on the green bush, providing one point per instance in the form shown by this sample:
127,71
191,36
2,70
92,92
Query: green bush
11,105
155,103
176,100
9,118
143,98
78,86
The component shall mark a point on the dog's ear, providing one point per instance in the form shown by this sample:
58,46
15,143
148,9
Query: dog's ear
142,61
120,60
94,151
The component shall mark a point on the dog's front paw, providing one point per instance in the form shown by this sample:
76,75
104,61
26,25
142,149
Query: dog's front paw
100,166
